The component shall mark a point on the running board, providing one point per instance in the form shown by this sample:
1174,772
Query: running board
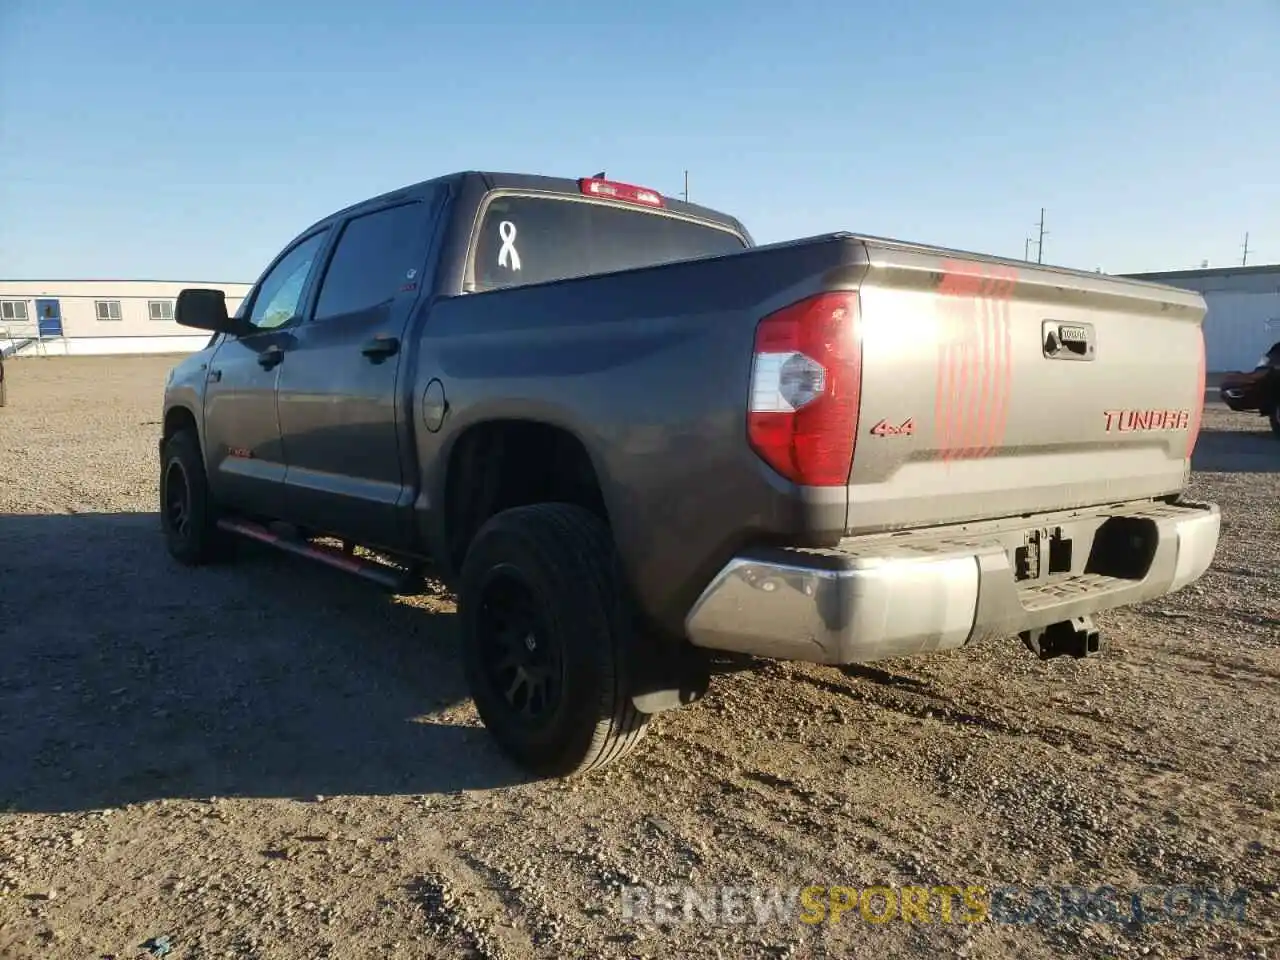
397,581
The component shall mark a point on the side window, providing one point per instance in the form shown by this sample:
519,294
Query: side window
377,255
280,292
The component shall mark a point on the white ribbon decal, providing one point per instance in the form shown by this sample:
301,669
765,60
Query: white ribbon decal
507,230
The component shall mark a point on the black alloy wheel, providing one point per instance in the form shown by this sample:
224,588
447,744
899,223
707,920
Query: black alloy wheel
522,660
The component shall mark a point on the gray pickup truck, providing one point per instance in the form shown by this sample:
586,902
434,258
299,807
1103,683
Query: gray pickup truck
629,437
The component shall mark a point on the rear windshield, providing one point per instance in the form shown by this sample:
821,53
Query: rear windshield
536,239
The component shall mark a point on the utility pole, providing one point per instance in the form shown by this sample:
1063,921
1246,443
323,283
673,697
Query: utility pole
1244,260
1040,242
685,195
1026,250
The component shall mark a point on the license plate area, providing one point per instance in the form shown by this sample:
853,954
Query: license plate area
1045,551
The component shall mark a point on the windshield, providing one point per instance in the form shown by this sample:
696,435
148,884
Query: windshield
535,239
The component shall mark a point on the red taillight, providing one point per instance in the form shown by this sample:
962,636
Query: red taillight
806,380
595,187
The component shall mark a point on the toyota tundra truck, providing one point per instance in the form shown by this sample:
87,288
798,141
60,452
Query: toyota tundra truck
629,437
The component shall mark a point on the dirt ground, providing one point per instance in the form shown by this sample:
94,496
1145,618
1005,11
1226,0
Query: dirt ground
271,760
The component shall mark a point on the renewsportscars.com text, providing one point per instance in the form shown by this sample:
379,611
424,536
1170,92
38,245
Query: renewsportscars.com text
946,904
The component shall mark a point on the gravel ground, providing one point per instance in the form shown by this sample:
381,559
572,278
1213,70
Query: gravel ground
272,760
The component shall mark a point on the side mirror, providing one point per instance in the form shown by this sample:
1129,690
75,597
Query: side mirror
205,310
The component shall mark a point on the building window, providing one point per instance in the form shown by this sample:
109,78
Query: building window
15,310
160,309
107,309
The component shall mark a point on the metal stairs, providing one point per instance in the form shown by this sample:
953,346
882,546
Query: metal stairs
16,339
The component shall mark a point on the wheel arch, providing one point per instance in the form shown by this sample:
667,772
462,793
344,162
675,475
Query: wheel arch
503,462
177,418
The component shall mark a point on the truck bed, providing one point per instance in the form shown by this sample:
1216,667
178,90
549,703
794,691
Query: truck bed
961,417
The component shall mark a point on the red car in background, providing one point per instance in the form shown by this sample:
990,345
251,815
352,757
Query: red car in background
1258,389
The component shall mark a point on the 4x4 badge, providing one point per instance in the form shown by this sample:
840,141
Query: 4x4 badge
886,429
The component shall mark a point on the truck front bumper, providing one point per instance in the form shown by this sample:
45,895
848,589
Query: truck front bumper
897,595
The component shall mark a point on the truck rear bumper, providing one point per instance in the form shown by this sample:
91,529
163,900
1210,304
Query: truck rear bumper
897,595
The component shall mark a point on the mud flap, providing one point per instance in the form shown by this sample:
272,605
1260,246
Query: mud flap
666,673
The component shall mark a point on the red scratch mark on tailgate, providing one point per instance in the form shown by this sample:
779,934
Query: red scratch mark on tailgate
999,305
1197,402
975,361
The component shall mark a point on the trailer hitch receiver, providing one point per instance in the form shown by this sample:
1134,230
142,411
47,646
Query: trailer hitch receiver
1077,638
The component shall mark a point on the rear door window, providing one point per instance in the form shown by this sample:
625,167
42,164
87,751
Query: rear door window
377,256
536,239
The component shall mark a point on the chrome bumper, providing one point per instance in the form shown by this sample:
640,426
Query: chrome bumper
879,597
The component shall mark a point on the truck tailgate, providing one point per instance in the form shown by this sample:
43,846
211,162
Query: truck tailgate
993,388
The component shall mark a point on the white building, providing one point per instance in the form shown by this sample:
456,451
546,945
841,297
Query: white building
71,317
1244,311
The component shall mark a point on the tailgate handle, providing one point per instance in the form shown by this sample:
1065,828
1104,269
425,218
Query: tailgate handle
1068,341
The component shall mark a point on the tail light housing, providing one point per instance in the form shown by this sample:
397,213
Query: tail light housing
806,381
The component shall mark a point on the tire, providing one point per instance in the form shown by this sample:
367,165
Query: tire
540,595
188,514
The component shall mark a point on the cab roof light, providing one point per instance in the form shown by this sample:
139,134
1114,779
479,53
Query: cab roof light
626,192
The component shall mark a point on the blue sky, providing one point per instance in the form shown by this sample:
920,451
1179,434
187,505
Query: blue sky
189,141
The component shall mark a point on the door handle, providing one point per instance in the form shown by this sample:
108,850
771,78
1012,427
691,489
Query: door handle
270,357
380,347
215,376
